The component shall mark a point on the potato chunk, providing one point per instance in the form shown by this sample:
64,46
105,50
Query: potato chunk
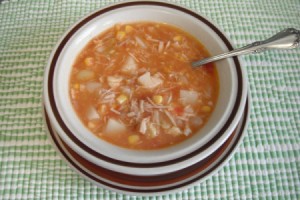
149,81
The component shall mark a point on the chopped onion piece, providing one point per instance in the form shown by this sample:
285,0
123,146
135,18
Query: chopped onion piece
85,75
92,113
130,65
92,86
188,97
100,49
187,131
114,126
114,81
196,121
174,131
149,81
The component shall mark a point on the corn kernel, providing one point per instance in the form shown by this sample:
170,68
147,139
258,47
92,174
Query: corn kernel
177,38
122,98
128,29
206,108
91,125
76,86
120,35
157,99
133,139
89,61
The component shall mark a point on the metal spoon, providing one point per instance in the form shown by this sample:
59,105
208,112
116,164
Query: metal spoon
286,39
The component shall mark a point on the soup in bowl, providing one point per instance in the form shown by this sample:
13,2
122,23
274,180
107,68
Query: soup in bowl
119,88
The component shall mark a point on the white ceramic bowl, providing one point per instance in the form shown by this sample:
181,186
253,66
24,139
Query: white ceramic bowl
224,119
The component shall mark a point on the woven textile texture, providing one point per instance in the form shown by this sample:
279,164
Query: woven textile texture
266,164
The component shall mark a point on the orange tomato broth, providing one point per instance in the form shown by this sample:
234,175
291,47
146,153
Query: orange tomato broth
133,86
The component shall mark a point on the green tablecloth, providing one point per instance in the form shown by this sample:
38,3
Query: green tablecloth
266,164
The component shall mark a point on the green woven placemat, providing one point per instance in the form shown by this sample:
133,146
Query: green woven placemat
266,164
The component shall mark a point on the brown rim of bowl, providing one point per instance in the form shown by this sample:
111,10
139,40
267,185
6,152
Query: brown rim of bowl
150,181
132,164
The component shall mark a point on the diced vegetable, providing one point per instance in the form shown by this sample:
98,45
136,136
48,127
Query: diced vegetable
149,81
130,65
187,131
177,38
133,139
114,126
85,75
122,98
92,86
196,121
76,86
188,96
128,28
174,130
178,110
100,49
92,113
158,99
120,35
89,61
114,81
206,109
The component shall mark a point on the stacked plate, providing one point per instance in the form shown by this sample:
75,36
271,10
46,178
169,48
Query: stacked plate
155,171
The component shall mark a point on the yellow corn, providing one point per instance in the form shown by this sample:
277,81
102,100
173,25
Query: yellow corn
133,139
177,38
122,98
76,86
120,35
128,28
206,109
157,99
89,61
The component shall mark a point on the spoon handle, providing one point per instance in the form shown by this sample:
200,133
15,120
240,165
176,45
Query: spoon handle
286,39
